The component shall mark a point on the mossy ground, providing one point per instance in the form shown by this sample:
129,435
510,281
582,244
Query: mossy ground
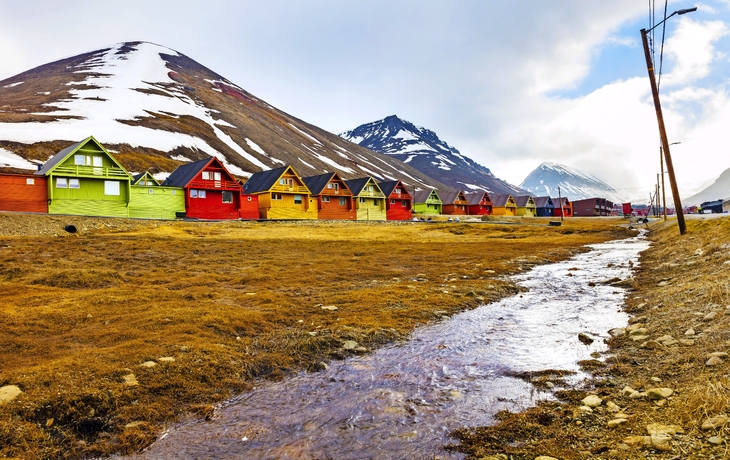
231,302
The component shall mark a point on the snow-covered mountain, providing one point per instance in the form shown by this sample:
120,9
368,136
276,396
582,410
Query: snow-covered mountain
422,149
155,109
575,185
719,190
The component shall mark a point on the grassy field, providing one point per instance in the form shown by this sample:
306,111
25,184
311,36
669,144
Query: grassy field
126,326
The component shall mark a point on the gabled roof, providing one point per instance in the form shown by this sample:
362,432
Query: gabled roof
146,176
388,186
564,200
421,196
476,198
543,202
263,181
316,184
452,197
523,201
58,158
183,174
500,200
357,185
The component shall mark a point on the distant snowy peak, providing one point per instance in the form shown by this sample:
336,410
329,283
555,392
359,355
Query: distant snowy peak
573,184
718,190
422,149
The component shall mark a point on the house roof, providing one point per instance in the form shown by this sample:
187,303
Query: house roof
564,200
58,158
356,185
388,186
316,184
543,202
146,175
500,200
262,181
183,174
421,196
451,197
476,198
523,201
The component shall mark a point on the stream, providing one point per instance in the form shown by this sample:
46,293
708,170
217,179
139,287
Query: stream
402,401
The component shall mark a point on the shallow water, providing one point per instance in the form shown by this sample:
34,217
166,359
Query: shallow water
402,401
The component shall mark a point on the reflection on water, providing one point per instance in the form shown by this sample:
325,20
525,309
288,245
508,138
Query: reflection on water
402,401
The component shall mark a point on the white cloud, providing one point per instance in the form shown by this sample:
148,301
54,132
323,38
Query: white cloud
692,48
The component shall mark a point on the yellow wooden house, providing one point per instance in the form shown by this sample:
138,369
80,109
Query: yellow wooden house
503,205
369,199
282,194
525,206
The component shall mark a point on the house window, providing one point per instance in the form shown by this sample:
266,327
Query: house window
74,183
297,199
172,192
61,182
111,187
392,201
397,191
276,196
216,176
343,201
29,181
79,160
206,175
227,197
150,191
97,162
404,203
363,200
193,193
201,193
325,199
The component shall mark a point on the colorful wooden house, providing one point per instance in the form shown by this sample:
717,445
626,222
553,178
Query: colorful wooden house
544,206
211,192
334,200
150,200
454,203
504,205
23,193
427,202
567,207
398,202
525,206
480,204
281,194
587,207
369,199
84,179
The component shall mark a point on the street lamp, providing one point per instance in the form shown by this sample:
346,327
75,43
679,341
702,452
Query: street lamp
660,120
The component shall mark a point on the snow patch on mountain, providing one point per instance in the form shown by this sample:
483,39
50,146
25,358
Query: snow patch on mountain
12,160
573,184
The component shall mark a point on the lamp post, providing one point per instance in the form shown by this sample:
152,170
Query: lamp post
660,120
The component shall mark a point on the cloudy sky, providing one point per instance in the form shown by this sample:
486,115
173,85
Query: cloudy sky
508,83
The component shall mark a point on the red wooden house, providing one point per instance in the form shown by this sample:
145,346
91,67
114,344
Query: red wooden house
566,205
23,193
479,204
398,202
334,198
454,203
211,192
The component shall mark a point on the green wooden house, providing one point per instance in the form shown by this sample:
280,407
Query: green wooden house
84,179
150,200
427,202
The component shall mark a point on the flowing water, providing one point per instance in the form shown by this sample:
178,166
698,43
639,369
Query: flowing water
402,401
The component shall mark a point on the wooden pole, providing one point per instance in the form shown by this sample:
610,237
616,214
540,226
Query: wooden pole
664,189
663,135
560,200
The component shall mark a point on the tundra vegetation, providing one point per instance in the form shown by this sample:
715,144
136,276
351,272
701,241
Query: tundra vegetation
125,326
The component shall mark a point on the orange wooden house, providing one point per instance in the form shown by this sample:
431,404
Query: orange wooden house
282,194
23,193
480,204
454,203
398,202
333,197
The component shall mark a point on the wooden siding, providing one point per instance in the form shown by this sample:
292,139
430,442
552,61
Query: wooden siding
89,199
455,209
23,193
400,210
155,202
480,210
372,208
427,208
333,210
212,206
286,208
249,207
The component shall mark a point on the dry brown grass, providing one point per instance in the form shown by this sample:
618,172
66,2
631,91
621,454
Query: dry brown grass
695,266
229,301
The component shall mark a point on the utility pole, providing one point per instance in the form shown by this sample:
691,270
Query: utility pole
662,129
658,204
664,190
560,200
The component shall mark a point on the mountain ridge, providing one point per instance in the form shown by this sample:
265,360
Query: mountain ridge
574,184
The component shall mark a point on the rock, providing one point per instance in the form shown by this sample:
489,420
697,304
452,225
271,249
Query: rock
664,338
545,457
312,333
613,407
669,343
658,428
549,385
322,366
349,345
651,345
148,364
617,332
689,332
628,282
715,440
656,380
639,338
130,380
710,316
661,442
628,391
714,422
585,338
659,393
166,359
663,284
592,401
8,393
495,457
616,422
638,331
686,342
361,350
637,441
132,425
581,411
714,361
719,354
329,307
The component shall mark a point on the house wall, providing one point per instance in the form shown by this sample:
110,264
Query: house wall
427,208
333,210
286,208
545,212
455,209
526,211
588,207
212,206
567,211
396,211
249,207
16,194
89,199
162,203
504,210
480,210
370,208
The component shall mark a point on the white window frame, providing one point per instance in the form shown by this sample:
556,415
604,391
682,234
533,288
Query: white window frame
325,199
201,194
79,160
112,188
206,175
193,193
61,182
74,183
98,162
29,181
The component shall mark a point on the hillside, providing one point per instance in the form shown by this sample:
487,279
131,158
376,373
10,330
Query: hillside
575,185
421,148
155,109
719,190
